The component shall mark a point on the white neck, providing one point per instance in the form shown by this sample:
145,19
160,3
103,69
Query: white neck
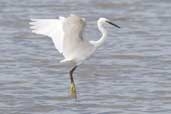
99,42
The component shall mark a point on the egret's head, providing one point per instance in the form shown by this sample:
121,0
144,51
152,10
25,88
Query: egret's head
104,20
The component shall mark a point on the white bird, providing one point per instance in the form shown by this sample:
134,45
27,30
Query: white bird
66,34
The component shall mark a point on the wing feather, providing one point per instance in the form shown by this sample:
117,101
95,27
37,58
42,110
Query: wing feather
66,34
52,28
73,40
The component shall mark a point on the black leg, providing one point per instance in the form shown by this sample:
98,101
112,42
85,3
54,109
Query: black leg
71,74
72,86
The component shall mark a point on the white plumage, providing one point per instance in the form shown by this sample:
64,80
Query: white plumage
52,28
66,34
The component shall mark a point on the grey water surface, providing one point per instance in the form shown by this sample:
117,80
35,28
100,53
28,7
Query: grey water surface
129,74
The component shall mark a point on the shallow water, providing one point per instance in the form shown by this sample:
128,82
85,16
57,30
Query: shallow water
130,74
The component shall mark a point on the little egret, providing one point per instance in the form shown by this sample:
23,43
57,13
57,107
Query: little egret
66,34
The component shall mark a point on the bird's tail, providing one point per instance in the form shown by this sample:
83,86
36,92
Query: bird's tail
65,61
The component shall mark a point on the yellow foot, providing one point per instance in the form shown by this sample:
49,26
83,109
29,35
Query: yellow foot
73,90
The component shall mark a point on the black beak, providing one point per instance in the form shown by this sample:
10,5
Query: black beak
113,24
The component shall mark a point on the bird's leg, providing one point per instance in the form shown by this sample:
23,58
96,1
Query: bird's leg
72,85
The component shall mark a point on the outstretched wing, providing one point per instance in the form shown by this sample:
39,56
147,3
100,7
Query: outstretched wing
73,41
52,28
